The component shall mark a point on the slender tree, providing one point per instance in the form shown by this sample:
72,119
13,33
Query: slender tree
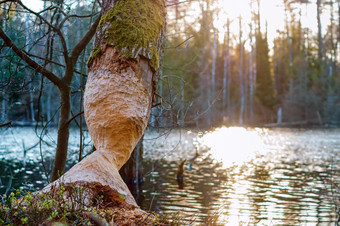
264,81
61,82
241,75
226,74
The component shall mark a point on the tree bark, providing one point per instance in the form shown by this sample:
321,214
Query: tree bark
251,74
63,133
4,101
241,74
117,103
117,107
321,50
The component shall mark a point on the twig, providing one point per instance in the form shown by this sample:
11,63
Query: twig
6,124
174,47
75,116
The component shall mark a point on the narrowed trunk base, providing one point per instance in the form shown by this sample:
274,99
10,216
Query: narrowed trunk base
99,177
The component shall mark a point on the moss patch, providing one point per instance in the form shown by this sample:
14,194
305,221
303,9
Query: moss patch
66,205
135,27
95,52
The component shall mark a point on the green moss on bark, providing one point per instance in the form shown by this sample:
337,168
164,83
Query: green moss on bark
135,27
95,52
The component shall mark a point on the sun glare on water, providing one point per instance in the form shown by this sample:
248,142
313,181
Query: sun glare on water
233,145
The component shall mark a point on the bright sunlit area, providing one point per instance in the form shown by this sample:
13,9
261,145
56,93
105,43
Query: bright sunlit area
35,5
234,145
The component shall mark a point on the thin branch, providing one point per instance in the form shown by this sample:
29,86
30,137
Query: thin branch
177,3
37,67
75,116
53,62
75,15
6,124
61,36
85,40
174,47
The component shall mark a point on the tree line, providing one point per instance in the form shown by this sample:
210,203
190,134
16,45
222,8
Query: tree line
244,81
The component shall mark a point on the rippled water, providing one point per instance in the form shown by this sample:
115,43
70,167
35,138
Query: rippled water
232,176
247,176
29,170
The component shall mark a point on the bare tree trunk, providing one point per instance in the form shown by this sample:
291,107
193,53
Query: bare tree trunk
290,55
30,88
229,82
48,102
251,74
182,110
225,67
321,50
213,66
332,62
63,134
205,85
337,40
240,70
227,77
31,102
4,106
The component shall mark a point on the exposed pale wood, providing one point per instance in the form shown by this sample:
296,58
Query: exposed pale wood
117,105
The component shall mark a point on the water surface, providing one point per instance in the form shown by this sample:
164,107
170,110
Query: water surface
247,176
232,176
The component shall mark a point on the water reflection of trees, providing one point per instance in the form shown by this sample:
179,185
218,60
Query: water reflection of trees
293,193
199,196
27,175
19,175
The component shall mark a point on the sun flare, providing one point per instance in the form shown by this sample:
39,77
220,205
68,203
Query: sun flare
271,12
232,145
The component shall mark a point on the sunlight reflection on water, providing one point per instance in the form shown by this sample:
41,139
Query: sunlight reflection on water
247,176
237,176
233,145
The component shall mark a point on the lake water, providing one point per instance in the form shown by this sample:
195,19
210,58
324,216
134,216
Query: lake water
232,176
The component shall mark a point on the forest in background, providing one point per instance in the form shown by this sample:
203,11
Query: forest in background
206,81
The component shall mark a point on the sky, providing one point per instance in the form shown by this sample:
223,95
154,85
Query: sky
35,5
272,12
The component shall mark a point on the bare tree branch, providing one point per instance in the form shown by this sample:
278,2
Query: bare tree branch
37,67
57,30
75,116
6,124
85,40
54,62
174,47
75,15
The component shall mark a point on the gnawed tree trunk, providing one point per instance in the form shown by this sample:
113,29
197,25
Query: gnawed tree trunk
118,94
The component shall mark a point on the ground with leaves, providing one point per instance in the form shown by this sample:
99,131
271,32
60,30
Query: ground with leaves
68,205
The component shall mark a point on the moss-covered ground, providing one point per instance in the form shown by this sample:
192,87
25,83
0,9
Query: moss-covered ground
22,208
